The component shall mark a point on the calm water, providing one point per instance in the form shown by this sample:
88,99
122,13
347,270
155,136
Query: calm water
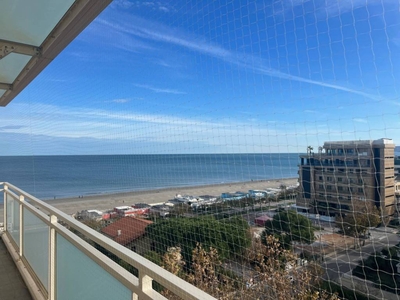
47,177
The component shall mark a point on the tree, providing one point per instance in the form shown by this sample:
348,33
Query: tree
289,226
381,268
275,275
283,191
206,276
229,236
309,149
268,276
180,209
361,216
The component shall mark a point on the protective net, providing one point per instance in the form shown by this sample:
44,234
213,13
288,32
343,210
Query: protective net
247,147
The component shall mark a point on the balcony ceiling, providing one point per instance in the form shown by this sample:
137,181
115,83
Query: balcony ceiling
33,33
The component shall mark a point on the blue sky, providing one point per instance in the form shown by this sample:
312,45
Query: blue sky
215,77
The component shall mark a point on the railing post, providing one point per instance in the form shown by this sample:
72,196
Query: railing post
145,282
5,207
21,225
52,260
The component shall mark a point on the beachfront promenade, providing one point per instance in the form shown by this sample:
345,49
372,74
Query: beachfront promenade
109,201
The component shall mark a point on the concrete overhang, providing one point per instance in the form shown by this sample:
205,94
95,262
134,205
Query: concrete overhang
33,33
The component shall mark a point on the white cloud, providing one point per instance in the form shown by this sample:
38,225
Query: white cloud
359,120
323,8
159,90
120,101
162,133
164,9
122,3
156,32
11,127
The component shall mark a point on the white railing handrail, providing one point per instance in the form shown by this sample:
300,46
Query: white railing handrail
148,270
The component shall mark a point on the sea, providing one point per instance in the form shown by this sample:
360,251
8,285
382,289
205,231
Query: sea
54,177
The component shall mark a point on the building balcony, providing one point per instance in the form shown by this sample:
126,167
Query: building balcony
56,261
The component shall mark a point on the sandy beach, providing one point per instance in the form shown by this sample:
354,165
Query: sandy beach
108,201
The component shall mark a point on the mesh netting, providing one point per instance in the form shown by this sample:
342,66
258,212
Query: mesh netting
247,147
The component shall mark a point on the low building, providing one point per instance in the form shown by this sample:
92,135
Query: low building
124,211
142,208
90,214
234,196
207,198
257,194
161,210
261,220
129,232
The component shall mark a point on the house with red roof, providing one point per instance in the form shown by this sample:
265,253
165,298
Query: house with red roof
261,220
129,232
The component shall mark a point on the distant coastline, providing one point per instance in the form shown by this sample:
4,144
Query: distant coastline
72,205
49,177
174,188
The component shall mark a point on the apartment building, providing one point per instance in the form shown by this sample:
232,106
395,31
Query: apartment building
345,171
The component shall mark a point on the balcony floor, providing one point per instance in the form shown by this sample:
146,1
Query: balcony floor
12,286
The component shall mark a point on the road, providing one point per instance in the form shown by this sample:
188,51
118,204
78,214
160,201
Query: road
344,261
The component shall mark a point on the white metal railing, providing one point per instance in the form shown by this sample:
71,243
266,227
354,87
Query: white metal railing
64,266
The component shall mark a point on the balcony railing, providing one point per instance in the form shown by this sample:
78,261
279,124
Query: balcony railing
57,264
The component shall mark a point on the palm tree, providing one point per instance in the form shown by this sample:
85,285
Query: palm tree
309,149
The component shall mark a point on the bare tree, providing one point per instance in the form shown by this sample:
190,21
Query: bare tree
361,216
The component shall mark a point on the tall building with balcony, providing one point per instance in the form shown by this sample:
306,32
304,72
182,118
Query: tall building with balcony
345,171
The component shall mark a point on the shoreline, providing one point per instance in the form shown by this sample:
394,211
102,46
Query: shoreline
72,205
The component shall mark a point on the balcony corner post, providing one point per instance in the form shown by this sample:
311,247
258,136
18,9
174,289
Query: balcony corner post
5,207
21,225
52,259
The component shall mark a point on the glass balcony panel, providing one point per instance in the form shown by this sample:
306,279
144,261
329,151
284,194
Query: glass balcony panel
79,277
13,218
36,246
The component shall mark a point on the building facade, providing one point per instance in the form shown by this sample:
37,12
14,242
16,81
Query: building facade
346,171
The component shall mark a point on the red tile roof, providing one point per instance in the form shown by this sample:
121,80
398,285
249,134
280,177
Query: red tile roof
263,218
131,229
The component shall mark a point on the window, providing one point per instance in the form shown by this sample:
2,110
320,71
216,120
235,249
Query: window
340,188
340,179
362,152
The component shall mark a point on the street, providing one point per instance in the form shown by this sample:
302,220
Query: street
342,262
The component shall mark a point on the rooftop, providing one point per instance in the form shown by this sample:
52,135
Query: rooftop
355,143
126,230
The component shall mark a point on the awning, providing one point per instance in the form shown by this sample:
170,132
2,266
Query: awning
33,33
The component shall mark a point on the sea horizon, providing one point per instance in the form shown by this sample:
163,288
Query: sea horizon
63,176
